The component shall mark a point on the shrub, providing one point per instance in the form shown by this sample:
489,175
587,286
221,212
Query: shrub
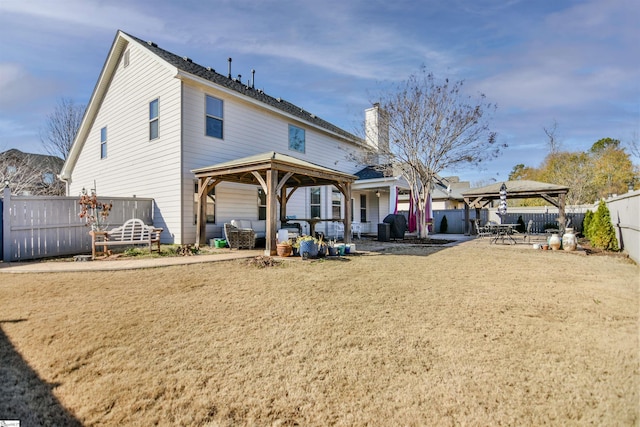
550,225
444,225
601,232
586,223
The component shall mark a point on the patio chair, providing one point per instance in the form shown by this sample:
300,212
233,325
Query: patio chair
481,231
356,228
338,230
239,238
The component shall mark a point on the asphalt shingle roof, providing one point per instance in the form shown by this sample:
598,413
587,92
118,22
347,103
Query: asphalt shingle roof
187,65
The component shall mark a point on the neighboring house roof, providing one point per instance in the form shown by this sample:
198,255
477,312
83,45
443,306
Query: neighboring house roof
370,172
44,162
443,188
186,69
31,173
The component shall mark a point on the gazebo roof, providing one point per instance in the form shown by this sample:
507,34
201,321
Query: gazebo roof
517,189
302,173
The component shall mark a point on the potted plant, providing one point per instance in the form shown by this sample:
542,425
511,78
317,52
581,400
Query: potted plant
331,248
308,245
322,247
284,248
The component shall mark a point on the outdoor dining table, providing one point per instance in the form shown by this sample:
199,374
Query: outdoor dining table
502,231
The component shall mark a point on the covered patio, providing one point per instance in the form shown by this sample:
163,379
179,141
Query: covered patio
280,176
479,198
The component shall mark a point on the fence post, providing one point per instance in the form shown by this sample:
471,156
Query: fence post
6,225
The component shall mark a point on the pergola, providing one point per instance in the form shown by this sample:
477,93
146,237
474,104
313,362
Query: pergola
280,176
478,198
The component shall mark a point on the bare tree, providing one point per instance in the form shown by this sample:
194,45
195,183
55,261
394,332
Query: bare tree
432,127
554,144
61,127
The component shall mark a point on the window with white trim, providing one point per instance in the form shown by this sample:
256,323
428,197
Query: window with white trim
336,204
262,204
214,117
363,208
296,139
153,119
103,142
315,202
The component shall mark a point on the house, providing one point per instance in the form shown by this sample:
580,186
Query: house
31,174
156,118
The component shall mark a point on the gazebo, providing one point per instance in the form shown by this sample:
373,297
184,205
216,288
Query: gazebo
280,176
478,198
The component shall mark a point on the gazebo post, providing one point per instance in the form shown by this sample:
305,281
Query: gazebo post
201,226
561,214
272,200
347,212
466,228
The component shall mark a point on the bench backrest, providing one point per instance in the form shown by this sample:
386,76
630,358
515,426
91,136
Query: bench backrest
132,230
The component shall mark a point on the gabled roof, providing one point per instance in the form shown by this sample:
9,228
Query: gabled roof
185,69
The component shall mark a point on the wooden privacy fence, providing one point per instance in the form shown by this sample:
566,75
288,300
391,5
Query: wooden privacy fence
35,227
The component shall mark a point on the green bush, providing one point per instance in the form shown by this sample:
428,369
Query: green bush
601,232
586,223
444,225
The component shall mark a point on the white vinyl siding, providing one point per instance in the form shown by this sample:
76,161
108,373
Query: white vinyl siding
132,168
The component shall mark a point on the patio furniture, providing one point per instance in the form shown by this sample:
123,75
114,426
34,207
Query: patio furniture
481,231
338,230
133,232
504,232
239,238
356,228
397,225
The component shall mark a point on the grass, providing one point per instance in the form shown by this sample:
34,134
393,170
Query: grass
468,335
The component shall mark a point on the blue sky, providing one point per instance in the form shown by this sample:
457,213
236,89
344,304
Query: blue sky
573,62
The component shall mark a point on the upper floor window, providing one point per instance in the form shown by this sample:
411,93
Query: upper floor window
153,119
214,116
336,204
296,139
315,202
126,58
103,142
262,204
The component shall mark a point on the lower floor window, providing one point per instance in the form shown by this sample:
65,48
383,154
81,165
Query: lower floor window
262,204
315,202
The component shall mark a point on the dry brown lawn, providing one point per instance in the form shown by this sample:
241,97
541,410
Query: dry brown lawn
467,335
